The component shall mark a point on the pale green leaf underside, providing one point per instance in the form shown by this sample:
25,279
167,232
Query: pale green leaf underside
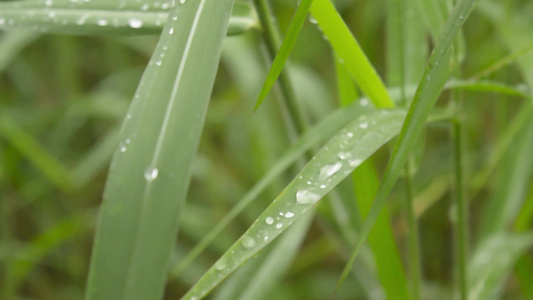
151,168
102,18
336,160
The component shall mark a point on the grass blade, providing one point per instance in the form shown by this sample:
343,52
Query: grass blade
285,50
336,160
425,98
138,224
102,18
350,52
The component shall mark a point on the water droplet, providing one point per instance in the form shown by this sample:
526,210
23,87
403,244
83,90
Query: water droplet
135,23
329,170
220,265
48,2
306,197
323,186
363,125
174,18
150,173
269,220
145,7
248,242
128,141
289,215
349,134
279,225
171,30
344,155
182,1
364,102
123,149
355,162
102,22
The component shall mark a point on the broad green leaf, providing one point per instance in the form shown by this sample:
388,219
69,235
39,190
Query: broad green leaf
285,50
103,17
151,168
426,96
349,51
493,260
336,160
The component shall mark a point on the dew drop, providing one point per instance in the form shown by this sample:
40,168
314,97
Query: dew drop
279,225
220,265
182,1
289,215
248,242
364,102
329,170
349,134
355,162
269,220
135,23
306,197
123,149
102,22
323,186
344,155
171,30
363,125
150,173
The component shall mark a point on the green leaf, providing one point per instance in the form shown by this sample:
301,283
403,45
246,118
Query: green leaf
426,96
285,50
103,17
336,160
349,51
151,169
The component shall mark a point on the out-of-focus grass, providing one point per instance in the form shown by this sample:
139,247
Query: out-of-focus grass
63,98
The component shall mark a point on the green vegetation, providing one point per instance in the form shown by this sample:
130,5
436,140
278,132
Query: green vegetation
266,149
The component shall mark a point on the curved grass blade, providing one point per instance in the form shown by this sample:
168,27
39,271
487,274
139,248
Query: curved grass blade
349,51
11,44
150,171
285,50
321,132
425,98
103,18
336,160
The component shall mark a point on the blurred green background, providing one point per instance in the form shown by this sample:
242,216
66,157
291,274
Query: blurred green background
62,100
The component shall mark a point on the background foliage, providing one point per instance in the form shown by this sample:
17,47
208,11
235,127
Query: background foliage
65,92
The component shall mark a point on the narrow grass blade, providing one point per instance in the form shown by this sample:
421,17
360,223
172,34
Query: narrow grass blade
336,160
103,18
267,269
493,260
150,171
285,50
381,239
349,51
425,98
345,86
